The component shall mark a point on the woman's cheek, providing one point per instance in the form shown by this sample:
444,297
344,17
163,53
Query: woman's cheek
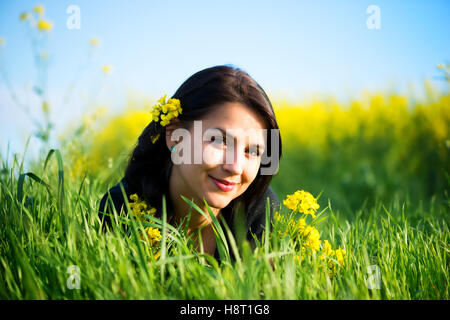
254,165
212,155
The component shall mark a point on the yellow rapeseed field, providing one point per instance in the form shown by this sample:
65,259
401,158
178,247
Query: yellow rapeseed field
375,144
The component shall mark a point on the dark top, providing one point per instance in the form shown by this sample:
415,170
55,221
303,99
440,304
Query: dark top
255,215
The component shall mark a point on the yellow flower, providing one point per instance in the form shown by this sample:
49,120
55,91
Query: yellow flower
340,255
155,138
45,55
312,238
139,207
107,68
45,107
162,100
302,201
277,216
297,258
157,255
44,25
326,250
166,111
39,10
300,225
24,16
94,42
152,235
2,41
174,102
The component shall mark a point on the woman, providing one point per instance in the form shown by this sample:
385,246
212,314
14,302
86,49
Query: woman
222,100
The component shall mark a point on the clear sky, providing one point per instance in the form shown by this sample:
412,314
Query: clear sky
294,48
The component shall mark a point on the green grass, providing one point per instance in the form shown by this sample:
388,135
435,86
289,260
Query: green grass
49,224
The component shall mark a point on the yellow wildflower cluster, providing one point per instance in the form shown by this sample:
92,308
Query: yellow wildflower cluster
36,19
303,202
24,16
307,235
152,235
166,111
338,255
298,226
44,25
298,229
326,249
39,10
139,207
107,69
312,238
94,42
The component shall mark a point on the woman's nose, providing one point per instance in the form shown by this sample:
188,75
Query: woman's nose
234,161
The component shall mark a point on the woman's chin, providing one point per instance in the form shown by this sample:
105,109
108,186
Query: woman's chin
217,201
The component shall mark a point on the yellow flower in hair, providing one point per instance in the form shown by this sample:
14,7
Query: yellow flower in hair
162,100
155,138
164,111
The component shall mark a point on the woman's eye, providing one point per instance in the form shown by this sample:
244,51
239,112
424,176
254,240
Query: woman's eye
218,140
254,152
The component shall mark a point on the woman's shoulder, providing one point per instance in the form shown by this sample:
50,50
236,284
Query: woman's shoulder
256,213
261,202
116,195
116,191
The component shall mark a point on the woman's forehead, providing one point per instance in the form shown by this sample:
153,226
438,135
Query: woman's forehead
234,115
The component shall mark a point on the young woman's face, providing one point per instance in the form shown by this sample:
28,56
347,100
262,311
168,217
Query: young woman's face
227,167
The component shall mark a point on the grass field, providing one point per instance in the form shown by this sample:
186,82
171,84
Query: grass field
388,216
380,163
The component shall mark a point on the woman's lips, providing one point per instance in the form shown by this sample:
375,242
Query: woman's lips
222,185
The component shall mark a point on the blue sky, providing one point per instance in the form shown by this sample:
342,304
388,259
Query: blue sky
292,48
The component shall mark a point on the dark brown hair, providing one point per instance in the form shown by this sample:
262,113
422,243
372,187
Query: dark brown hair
150,163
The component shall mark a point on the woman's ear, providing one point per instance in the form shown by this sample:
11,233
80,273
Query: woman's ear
174,124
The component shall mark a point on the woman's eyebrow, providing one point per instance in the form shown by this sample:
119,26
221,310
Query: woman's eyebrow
230,136
225,133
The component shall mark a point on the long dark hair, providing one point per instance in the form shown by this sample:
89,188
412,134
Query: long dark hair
150,164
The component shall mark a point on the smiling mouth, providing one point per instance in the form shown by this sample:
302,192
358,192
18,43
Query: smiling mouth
223,185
